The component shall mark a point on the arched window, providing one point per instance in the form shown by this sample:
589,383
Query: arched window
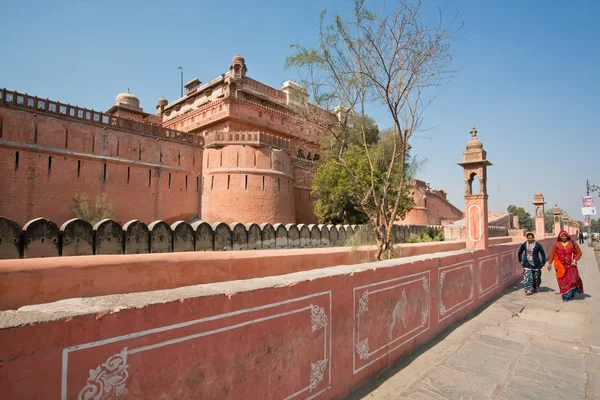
316,157
474,184
300,153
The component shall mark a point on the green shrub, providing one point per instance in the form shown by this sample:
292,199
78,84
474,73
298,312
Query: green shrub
430,235
101,209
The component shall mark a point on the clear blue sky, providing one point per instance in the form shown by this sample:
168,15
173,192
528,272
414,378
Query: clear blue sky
529,79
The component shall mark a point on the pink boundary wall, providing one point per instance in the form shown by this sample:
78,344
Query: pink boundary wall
312,334
42,280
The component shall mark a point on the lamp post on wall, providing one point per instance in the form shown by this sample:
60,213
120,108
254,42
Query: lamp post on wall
590,188
181,69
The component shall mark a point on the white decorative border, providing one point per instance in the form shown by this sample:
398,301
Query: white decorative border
503,255
319,321
361,347
468,222
442,310
495,285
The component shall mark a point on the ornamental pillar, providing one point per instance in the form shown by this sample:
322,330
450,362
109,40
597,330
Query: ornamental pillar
556,214
476,198
538,209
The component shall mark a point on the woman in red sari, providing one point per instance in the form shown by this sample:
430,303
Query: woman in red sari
565,254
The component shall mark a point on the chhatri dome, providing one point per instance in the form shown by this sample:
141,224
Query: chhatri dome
474,143
162,102
127,100
238,59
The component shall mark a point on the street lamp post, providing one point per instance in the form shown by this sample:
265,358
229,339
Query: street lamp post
590,188
181,69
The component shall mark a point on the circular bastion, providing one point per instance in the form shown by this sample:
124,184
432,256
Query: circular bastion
247,184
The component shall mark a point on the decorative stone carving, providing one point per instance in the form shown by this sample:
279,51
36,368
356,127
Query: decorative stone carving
362,348
398,313
108,380
318,318
363,304
317,371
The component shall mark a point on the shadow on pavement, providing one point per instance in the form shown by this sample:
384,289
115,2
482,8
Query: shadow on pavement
544,289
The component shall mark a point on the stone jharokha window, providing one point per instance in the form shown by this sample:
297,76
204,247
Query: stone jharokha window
300,153
316,157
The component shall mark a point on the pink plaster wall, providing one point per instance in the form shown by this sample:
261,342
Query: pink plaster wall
316,334
42,280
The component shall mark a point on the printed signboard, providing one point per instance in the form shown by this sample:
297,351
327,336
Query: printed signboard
588,201
588,210
586,220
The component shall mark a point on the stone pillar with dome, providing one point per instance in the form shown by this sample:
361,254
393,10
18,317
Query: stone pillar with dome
556,214
538,209
476,200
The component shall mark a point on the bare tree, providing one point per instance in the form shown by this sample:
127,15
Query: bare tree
389,59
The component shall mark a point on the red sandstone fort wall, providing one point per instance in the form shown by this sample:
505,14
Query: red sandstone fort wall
431,208
303,199
46,161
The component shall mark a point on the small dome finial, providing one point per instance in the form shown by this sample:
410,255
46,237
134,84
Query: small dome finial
473,132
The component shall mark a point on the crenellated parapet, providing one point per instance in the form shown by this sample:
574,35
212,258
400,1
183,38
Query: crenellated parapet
53,152
13,99
41,237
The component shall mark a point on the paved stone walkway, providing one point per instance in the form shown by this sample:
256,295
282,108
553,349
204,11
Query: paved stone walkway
518,347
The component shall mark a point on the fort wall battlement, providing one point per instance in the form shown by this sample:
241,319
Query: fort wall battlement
43,238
